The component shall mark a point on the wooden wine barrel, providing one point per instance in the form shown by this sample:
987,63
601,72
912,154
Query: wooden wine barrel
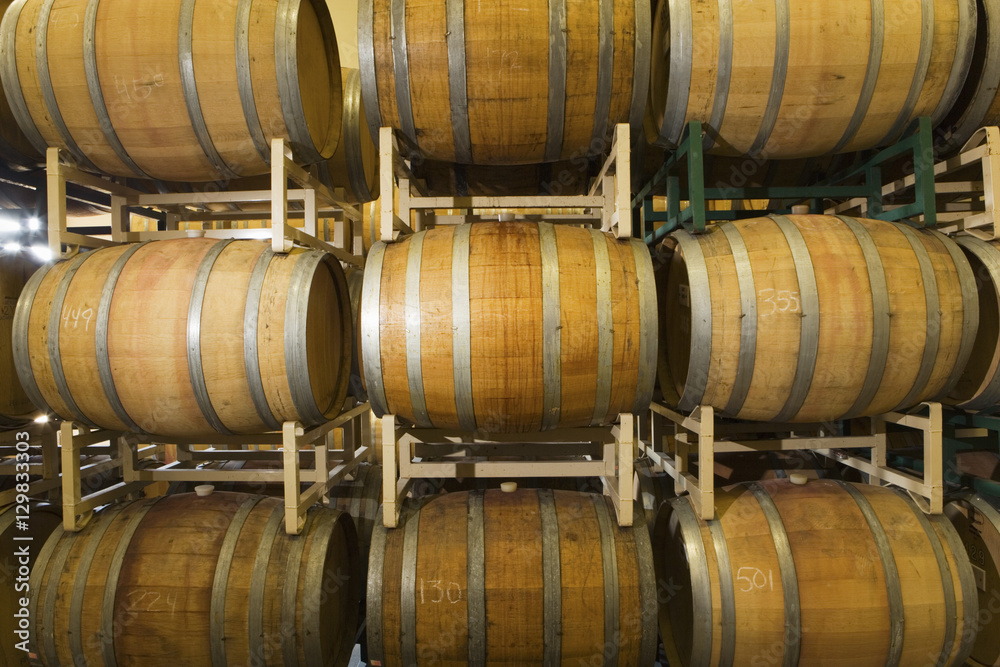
16,408
801,79
560,179
508,327
42,519
825,573
978,104
355,279
527,578
15,149
179,100
511,83
977,520
814,318
979,385
354,166
187,337
218,571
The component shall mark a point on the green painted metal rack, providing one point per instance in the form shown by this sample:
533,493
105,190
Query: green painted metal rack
917,143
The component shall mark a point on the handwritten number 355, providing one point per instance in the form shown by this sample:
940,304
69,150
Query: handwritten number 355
781,301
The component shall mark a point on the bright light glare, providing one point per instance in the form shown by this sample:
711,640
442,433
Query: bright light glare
9,226
12,247
34,224
44,419
43,253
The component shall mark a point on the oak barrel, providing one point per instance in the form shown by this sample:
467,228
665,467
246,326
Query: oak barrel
518,82
196,94
813,318
218,571
979,386
528,578
16,408
826,573
17,557
508,327
801,79
187,337
977,520
978,104
354,166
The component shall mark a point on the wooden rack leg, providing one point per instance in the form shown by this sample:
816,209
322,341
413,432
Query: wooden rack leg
71,488
706,463
934,458
626,458
291,432
391,499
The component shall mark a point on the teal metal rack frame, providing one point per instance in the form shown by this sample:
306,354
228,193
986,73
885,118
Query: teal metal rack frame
916,142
